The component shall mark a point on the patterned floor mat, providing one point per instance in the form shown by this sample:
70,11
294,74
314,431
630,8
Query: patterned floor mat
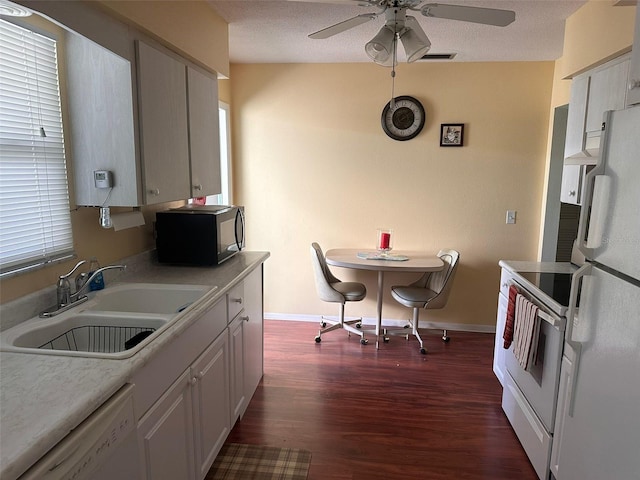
256,462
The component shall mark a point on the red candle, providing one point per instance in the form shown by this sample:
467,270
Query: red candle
385,237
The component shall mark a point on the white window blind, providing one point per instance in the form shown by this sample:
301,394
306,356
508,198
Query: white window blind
35,222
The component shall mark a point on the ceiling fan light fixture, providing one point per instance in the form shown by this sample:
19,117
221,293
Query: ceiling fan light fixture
380,48
414,40
11,9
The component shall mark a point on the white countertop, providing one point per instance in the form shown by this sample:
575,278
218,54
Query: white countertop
44,397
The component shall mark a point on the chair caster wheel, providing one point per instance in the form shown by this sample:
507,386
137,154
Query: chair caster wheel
423,351
445,339
385,339
364,341
406,326
323,324
318,339
358,325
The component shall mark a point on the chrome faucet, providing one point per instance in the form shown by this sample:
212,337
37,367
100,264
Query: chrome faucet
66,299
83,282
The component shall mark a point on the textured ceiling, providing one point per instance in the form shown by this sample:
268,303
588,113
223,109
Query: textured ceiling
267,31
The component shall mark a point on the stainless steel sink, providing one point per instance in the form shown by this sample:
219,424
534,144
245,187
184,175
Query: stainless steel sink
117,323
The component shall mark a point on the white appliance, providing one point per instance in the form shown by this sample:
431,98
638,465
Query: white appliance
597,427
102,447
529,395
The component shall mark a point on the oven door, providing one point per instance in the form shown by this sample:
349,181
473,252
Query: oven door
539,384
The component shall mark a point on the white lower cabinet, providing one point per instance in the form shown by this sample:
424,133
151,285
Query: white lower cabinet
190,395
236,337
246,337
210,378
253,330
184,431
165,434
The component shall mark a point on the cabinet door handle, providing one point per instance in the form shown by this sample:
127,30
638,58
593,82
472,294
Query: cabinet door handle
237,300
194,380
197,187
572,193
634,83
245,318
154,191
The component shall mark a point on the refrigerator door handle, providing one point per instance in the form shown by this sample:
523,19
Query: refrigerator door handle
575,345
599,207
596,195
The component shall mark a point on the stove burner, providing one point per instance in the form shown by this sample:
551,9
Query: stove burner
555,285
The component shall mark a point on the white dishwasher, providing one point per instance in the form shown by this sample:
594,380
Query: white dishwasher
103,447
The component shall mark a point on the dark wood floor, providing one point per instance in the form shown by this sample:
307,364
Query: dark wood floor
386,414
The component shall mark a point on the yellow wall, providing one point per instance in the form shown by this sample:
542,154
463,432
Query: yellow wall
313,164
190,27
595,33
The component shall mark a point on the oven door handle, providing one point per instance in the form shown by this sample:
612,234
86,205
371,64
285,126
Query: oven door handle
544,314
575,345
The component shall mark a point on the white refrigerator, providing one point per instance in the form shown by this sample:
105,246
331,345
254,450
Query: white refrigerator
597,432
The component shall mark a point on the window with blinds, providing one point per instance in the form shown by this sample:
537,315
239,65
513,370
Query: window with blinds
35,222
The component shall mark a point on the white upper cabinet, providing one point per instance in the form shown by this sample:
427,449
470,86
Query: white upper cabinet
204,139
574,141
592,94
101,125
633,93
145,114
606,92
162,96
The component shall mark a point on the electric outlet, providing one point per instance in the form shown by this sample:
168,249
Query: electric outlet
511,216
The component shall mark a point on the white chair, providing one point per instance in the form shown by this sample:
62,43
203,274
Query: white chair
331,289
431,291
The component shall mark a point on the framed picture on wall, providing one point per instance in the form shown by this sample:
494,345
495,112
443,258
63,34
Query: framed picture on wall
451,134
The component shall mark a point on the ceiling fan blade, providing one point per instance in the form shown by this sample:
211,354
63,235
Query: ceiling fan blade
487,16
343,26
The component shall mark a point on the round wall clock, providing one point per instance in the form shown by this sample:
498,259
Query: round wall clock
405,120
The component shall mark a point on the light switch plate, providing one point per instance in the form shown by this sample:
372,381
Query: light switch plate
511,216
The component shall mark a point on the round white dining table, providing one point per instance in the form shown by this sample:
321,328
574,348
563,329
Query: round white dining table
416,262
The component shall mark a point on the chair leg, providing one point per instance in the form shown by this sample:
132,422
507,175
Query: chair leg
445,337
416,333
348,326
342,324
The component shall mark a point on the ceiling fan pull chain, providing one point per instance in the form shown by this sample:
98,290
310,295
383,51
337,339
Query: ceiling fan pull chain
393,70
393,87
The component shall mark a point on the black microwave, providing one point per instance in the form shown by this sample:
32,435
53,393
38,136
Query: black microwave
199,234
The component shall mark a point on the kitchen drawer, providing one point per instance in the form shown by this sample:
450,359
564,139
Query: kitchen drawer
532,434
235,301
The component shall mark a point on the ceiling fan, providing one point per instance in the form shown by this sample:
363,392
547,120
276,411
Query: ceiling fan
400,26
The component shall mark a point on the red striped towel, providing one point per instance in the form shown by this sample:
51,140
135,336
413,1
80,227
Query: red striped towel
525,331
511,316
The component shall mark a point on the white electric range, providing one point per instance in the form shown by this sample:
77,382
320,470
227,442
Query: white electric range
530,394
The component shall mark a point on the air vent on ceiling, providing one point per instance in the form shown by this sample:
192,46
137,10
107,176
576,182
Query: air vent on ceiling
438,56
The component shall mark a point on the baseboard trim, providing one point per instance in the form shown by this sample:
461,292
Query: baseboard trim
460,327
